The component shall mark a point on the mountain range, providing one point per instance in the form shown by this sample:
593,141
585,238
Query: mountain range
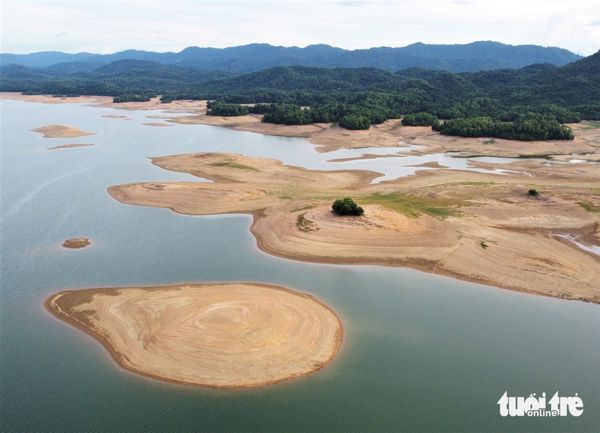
472,57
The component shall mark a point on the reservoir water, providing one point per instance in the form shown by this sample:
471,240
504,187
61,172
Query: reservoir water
421,352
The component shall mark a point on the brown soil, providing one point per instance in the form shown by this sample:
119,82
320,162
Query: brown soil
216,335
68,146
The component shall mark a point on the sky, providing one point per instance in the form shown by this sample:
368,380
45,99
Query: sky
110,26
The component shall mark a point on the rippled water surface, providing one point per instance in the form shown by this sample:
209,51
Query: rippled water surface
422,352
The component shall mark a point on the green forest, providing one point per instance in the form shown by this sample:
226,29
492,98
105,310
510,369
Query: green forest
526,104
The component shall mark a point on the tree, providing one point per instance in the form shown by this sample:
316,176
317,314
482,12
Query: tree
346,206
355,121
224,109
420,119
531,126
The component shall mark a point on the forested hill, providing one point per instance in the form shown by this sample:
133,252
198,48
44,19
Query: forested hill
476,56
526,103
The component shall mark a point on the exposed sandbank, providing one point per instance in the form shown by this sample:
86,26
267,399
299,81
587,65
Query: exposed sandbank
76,243
179,106
50,99
61,131
501,236
473,226
68,146
216,335
327,137
392,133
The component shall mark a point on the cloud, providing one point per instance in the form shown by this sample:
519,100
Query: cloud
101,26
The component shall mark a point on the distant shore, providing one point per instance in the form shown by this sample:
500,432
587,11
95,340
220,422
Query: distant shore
327,138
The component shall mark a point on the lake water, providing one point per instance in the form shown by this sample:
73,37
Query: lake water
421,352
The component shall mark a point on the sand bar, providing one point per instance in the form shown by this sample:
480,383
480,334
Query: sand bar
328,137
68,146
76,243
216,335
61,131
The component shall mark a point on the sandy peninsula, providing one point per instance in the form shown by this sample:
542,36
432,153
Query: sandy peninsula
61,131
473,226
51,99
69,146
217,335
392,133
179,106
76,243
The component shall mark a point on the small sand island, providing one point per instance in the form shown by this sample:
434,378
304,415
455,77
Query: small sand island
75,243
69,146
216,335
61,131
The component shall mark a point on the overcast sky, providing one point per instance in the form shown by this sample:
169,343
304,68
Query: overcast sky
109,26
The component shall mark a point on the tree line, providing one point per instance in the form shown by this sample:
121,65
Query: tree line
501,103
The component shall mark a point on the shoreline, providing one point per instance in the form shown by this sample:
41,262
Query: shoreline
122,361
427,267
327,138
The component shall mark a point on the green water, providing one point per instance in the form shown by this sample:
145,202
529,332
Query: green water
422,352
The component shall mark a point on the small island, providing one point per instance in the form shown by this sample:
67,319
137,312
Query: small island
217,335
61,131
76,243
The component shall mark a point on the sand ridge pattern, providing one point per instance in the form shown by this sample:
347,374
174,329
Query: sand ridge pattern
217,335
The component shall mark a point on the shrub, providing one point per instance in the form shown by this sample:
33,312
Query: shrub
533,192
355,121
420,119
346,206
288,114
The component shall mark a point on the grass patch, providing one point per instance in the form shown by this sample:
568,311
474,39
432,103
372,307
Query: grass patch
229,164
307,207
304,225
413,206
490,141
588,206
